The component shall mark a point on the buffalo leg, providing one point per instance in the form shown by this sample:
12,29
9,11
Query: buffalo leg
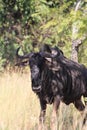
79,105
54,113
42,116
85,117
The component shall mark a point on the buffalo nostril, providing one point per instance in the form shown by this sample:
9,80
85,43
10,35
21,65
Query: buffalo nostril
37,88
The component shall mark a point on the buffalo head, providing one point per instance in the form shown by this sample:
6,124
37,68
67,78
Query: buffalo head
37,62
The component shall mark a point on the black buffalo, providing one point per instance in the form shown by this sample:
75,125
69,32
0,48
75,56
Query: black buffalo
55,78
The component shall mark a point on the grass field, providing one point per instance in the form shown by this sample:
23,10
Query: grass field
19,107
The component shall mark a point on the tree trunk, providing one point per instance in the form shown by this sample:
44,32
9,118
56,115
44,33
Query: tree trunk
75,42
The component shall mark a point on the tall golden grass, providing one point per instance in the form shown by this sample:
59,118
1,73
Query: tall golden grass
19,107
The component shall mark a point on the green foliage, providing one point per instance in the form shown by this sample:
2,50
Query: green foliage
32,23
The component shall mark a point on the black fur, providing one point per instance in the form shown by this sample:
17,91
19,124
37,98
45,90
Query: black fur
53,74
61,77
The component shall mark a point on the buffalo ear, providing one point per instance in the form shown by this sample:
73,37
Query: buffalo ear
57,52
48,59
54,52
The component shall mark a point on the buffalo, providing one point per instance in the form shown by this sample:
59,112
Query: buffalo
56,78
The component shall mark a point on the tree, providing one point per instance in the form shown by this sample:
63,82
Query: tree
76,42
30,24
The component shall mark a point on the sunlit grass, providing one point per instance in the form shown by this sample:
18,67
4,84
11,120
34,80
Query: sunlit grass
19,106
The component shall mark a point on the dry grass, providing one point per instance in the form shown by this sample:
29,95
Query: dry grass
19,107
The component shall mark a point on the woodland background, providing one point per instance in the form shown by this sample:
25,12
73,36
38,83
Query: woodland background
31,23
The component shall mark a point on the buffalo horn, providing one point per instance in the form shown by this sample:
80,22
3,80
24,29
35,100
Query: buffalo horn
23,56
